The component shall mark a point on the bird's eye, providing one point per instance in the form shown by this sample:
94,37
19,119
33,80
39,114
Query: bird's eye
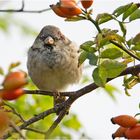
49,40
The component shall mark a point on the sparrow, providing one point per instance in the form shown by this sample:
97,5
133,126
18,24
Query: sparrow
53,61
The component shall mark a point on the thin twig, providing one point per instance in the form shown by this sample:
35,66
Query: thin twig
21,10
34,130
95,23
43,92
74,95
17,129
15,112
134,70
33,120
37,117
25,11
124,49
55,123
111,41
23,4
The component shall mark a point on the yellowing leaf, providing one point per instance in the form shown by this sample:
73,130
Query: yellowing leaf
13,65
1,71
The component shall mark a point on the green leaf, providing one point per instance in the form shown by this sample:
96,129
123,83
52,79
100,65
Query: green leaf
111,53
130,42
31,105
116,37
99,39
60,134
85,79
136,39
24,28
92,58
107,35
110,89
126,92
131,82
28,31
113,68
76,18
120,10
82,57
100,76
138,54
4,25
123,28
13,65
136,47
72,122
30,85
5,20
129,11
102,18
1,71
135,15
104,41
87,46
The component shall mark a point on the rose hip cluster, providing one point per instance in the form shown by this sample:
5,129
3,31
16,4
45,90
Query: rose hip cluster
69,8
129,127
12,85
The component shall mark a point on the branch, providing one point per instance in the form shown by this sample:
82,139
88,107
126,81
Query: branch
15,112
124,49
134,70
25,11
55,124
16,129
95,23
34,130
33,120
49,93
21,10
63,107
37,117
111,41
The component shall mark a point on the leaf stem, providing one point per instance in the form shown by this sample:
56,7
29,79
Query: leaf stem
95,23
124,49
111,41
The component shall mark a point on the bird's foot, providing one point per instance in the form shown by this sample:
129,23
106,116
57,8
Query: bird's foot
58,99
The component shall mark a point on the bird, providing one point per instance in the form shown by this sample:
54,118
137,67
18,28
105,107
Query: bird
52,62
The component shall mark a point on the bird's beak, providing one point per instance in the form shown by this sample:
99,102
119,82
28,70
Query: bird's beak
49,40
